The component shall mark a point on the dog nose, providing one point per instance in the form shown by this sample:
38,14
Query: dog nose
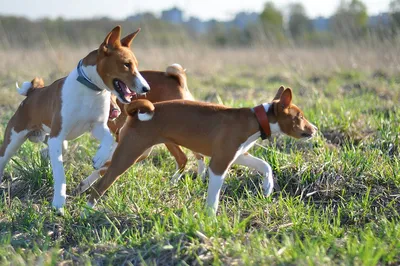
145,89
314,127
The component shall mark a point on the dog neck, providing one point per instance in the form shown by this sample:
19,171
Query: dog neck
266,127
87,68
84,79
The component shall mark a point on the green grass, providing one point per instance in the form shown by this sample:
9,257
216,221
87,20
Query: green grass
339,204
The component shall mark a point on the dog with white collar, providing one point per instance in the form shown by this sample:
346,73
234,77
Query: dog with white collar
74,105
222,133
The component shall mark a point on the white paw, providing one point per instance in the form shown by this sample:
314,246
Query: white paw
268,186
86,183
60,211
58,204
101,157
175,178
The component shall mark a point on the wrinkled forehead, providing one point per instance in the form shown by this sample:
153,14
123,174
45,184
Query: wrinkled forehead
294,110
126,55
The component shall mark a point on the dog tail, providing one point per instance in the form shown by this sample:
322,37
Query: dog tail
143,107
178,72
26,87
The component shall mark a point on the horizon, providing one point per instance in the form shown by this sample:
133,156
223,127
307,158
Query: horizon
191,8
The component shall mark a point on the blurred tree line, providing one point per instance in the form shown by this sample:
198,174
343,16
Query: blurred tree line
350,22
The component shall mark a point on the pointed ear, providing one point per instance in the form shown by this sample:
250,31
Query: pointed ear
279,93
127,40
286,98
112,39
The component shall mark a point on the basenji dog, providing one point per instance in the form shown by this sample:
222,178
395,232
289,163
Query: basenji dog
168,85
165,86
222,133
76,104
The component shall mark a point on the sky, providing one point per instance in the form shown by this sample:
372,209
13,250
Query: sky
203,9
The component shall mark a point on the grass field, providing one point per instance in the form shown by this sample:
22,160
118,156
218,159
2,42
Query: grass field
340,198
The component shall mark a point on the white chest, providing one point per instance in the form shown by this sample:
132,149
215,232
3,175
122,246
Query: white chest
82,108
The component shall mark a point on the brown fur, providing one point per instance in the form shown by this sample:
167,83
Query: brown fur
43,106
212,130
165,86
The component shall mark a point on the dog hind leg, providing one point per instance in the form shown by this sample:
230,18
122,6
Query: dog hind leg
124,156
13,139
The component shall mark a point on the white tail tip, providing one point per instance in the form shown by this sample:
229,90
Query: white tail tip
24,88
178,66
145,116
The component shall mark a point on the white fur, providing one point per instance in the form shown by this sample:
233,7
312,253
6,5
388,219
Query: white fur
178,66
107,145
16,140
214,189
44,153
82,109
91,72
175,178
24,88
216,181
177,175
56,159
145,116
87,182
261,166
275,128
140,82
316,129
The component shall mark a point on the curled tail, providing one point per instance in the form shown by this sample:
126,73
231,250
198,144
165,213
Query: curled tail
27,86
177,71
143,107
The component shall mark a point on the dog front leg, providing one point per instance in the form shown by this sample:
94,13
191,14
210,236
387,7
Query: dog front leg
107,145
261,166
60,186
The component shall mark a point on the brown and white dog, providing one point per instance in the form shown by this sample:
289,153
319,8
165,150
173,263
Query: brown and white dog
165,86
225,134
76,104
168,85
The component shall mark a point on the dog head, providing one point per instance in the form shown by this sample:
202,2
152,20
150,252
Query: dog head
118,66
289,117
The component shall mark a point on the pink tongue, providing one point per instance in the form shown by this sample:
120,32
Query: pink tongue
124,88
114,113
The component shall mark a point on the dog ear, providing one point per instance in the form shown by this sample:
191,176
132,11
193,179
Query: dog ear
112,40
279,93
286,98
127,40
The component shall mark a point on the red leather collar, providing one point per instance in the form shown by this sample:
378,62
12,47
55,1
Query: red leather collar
262,119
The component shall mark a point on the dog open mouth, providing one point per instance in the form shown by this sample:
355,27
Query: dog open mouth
125,94
306,135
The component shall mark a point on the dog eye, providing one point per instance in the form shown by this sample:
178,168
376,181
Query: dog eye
127,65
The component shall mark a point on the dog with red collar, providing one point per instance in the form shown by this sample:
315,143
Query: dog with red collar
222,133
